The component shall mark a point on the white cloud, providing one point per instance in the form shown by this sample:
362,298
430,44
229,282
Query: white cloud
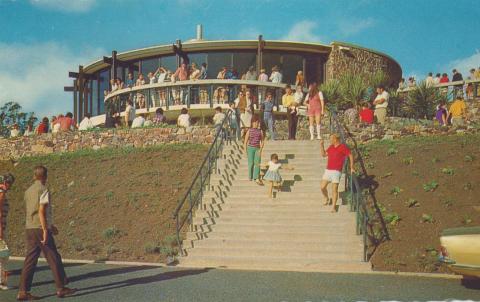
464,64
34,75
77,6
303,31
352,26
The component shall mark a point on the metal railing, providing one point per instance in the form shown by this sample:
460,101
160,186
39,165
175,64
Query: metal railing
191,93
193,197
355,192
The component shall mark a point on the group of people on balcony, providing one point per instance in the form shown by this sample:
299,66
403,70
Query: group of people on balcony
431,81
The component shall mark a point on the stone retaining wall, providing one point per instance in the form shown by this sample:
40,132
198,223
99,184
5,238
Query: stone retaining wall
72,141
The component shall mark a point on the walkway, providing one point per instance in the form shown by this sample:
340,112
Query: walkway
97,282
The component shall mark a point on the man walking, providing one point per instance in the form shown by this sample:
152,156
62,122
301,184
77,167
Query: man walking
336,153
39,238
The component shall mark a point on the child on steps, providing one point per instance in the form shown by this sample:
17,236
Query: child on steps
273,175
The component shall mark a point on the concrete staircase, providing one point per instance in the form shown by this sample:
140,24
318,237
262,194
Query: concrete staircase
239,226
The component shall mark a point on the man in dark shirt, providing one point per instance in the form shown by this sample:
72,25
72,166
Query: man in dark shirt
457,76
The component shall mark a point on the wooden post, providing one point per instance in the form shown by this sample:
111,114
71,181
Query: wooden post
261,45
75,100
114,65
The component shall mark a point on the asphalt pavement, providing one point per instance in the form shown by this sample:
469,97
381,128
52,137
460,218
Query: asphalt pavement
100,282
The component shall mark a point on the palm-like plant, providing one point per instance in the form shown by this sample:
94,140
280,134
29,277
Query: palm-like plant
352,88
331,90
378,78
421,101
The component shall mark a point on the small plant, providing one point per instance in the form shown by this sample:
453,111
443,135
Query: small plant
392,218
448,203
431,186
109,195
151,248
112,250
370,165
395,190
467,186
111,232
392,151
411,203
448,171
415,173
427,218
435,160
468,158
466,219
407,160
388,174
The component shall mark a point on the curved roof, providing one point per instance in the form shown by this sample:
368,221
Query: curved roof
206,45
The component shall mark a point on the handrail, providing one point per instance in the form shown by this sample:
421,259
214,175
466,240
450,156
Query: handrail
444,85
194,83
200,180
357,202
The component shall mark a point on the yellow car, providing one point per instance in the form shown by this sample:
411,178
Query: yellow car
460,250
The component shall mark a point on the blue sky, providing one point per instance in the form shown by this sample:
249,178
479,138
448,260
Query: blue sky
41,40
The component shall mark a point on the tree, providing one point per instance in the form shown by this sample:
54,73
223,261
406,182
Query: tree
11,113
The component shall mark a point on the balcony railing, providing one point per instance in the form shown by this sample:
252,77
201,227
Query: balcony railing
207,93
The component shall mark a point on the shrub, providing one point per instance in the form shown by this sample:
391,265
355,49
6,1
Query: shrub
111,232
431,186
395,190
427,218
151,248
407,160
420,102
412,203
392,218
392,151
448,171
468,158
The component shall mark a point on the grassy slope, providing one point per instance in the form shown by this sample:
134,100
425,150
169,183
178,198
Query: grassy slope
453,162
112,204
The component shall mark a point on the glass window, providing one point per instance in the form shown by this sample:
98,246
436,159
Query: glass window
216,61
243,60
149,65
271,59
314,69
169,63
292,63
198,58
104,78
94,94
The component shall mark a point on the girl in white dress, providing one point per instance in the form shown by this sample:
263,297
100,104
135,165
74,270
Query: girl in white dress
272,176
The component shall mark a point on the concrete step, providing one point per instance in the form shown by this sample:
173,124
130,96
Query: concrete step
261,194
295,253
322,221
276,264
266,207
316,235
345,229
340,245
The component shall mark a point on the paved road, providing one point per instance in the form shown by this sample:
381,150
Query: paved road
98,282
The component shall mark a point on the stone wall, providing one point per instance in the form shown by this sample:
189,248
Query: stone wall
15,148
346,58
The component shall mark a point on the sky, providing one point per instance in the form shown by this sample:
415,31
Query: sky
41,40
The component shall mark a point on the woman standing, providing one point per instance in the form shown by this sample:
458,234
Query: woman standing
253,146
244,106
316,108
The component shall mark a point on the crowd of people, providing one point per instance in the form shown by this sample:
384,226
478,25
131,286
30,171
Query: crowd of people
442,78
192,72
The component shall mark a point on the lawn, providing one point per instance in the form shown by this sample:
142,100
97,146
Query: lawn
109,204
425,185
